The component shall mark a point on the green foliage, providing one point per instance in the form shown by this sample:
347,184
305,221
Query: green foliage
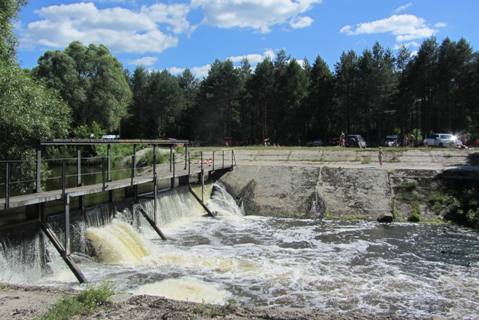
415,215
28,112
147,159
90,80
84,303
8,12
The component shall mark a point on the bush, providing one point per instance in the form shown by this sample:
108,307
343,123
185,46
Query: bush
415,214
84,303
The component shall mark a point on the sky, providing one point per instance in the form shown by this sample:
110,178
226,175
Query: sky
175,35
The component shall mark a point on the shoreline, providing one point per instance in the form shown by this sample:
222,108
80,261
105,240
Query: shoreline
25,302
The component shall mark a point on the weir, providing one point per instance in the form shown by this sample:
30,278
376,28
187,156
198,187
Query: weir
124,187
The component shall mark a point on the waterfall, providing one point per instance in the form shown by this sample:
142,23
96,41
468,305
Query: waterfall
117,242
223,203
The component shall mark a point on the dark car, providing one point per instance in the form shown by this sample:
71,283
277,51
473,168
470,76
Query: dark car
315,143
355,140
391,141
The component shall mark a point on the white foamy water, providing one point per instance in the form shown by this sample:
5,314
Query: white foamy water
400,269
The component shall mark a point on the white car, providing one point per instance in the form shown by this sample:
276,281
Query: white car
441,140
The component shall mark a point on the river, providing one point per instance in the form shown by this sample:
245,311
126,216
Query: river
400,269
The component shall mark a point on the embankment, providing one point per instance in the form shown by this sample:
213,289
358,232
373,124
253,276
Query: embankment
347,184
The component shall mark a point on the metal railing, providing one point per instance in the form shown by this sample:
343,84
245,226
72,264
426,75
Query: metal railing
22,177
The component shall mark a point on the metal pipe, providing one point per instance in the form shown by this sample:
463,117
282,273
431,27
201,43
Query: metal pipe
155,187
186,154
38,183
133,164
174,172
108,155
232,157
66,200
171,156
223,160
7,185
79,167
189,165
213,161
63,177
103,175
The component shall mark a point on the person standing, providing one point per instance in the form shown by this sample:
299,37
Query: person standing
342,139
380,157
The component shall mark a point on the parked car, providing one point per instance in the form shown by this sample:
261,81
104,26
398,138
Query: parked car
392,141
315,143
355,140
441,140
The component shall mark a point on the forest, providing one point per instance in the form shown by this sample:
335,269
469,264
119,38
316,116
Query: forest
84,90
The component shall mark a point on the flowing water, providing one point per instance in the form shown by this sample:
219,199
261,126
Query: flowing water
403,269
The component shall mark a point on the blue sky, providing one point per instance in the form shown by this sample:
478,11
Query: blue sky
173,35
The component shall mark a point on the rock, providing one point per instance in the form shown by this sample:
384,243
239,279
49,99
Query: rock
386,217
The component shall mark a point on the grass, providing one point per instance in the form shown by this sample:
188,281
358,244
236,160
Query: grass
202,311
84,303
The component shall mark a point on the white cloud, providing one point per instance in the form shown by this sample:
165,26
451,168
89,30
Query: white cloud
440,25
202,71
259,15
301,22
410,44
120,29
405,27
144,61
199,72
403,7
253,58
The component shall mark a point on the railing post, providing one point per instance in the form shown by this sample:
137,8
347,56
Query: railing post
7,185
38,170
201,159
103,174
64,183
133,164
189,165
202,178
171,157
213,161
155,186
108,155
79,167
223,160
174,172
186,154
66,201
232,155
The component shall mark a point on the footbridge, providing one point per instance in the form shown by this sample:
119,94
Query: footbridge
48,184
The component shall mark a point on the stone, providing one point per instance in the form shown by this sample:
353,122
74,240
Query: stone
386,217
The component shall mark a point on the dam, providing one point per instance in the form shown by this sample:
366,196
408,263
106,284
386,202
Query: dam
338,266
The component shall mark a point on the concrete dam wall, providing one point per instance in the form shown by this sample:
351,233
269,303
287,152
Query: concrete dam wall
339,188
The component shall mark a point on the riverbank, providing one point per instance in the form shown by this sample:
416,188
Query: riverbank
21,303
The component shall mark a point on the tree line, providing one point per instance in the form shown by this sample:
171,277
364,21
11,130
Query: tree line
84,89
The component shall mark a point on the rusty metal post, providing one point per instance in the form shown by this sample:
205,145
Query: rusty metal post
155,187
66,201
7,185
186,155
174,172
103,174
38,170
64,183
108,155
133,164
79,183
171,157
